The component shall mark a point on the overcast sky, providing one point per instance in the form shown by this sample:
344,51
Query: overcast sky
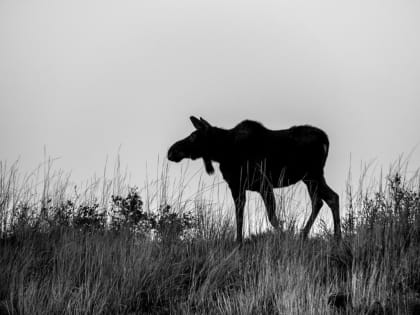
85,78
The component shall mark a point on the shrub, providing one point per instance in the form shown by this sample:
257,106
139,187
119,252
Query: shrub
170,225
128,212
89,218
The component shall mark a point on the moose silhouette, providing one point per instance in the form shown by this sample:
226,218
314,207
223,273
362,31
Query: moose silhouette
252,157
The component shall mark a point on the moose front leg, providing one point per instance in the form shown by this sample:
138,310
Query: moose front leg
239,197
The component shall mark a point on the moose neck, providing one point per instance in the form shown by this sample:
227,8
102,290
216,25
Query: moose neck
219,144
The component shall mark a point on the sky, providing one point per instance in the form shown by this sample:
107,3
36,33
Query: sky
90,80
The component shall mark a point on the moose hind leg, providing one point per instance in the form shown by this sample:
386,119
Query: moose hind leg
332,200
316,202
270,204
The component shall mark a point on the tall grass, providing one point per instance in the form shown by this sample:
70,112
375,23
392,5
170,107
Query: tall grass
49,268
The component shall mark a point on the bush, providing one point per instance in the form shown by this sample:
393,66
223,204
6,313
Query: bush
171,225
128,213
89,218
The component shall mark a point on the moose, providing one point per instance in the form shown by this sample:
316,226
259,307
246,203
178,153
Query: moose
255,158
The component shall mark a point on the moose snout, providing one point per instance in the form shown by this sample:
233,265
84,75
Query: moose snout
174,154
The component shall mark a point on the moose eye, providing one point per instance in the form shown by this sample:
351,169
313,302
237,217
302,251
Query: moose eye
193,137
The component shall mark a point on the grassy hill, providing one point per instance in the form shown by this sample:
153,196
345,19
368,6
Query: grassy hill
69,256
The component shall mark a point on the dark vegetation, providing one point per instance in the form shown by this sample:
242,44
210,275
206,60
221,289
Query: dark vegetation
81,257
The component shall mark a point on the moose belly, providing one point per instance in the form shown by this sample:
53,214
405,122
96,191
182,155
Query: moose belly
276,180
256,175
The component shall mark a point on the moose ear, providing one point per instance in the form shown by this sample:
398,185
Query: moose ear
205,122
196,123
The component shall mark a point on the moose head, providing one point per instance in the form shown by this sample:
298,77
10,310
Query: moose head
196,145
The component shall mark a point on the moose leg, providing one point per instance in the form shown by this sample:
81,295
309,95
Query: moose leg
316,205
239,197
270,205
332,200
